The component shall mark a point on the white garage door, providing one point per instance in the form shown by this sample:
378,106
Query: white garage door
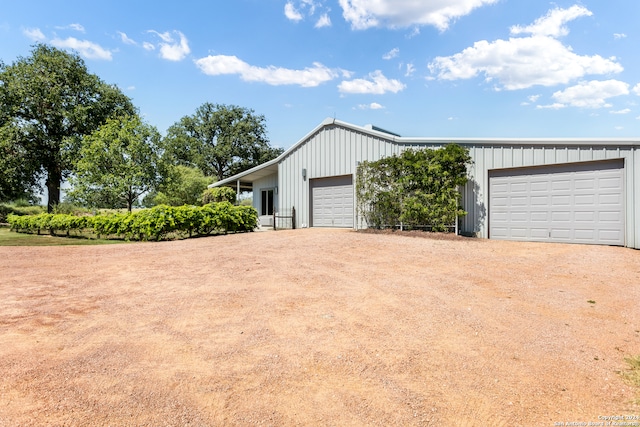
573,203
332,202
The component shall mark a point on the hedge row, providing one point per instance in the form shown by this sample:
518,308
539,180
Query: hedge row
148,224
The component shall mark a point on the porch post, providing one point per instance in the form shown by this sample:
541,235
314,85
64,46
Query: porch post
237,191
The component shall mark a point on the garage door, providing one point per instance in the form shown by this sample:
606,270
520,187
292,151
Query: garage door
332,202
573,203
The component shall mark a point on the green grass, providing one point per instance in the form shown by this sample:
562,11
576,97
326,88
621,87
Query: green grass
632,374
11,238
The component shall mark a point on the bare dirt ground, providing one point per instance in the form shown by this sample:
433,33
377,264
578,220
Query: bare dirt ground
317,327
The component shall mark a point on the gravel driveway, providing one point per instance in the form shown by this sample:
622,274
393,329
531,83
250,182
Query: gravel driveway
317,327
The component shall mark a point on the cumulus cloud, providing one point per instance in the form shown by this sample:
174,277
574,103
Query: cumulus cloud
84,47
215,65
592,94
618,36
363,14
34,34
172,49
522,62
553,23
376,84
636,89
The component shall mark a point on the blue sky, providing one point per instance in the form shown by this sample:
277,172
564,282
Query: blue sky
442,68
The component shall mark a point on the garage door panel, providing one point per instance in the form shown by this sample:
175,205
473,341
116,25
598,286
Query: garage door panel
579,202
332,202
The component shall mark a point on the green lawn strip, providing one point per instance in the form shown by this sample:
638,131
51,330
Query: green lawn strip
11,238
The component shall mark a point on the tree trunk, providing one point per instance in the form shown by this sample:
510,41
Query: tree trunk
54,180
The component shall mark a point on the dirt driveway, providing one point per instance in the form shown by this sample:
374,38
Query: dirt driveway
317,327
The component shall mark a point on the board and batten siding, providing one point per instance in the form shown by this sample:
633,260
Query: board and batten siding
332,151
501,156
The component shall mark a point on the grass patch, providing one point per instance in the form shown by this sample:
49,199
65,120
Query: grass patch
11,238
632,374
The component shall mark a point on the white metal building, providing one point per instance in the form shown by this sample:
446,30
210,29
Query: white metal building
576,190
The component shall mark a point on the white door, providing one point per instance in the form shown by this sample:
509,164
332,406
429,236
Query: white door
332,202
573,203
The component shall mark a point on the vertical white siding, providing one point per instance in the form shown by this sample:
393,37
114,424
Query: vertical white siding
332,151
486,157
335,150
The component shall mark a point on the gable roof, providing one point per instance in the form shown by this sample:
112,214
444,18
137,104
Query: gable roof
271,167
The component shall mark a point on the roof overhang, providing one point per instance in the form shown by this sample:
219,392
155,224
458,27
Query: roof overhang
245,180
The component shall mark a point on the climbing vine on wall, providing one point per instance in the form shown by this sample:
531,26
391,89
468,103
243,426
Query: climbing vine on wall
416,189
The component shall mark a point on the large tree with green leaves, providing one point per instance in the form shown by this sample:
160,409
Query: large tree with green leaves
48,102
181,185
118,163
221,140
17,179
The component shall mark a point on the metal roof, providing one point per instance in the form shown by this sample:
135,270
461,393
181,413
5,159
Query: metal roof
271,166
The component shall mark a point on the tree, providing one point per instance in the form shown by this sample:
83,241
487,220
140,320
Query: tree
49,101
220,140
184,185
118,163
17,180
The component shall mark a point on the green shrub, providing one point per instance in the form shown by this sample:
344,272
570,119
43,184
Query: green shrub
218,194
418,188
148,224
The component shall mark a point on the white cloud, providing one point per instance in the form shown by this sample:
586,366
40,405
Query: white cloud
623,111
391,54
84,47
74,27
519,63
636,89
295,10
363,14
372,106
148,46
292,13
34,34
170,48
77,27
618,36
552,24
323,21
276,76
554,106
410,70
377,84
531,99
125,39
592,94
